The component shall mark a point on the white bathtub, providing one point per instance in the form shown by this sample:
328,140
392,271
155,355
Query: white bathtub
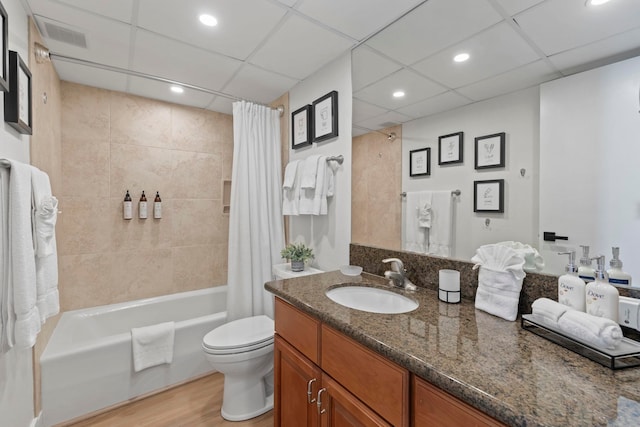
87,364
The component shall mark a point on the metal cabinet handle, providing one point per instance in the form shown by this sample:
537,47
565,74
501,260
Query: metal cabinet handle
320,410
310,400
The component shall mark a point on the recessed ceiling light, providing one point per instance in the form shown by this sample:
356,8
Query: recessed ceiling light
596,2
208,20
177,89
398,94
461,57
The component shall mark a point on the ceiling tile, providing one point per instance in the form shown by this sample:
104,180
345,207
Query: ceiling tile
255,84
356,18
121,10
90,76
416,89
443,102
368,67
493,51
386,120
559,25
357,131
170,59
612,49
221,105
362,110
299,48
242,25
520,78
515,6
159,90
432,27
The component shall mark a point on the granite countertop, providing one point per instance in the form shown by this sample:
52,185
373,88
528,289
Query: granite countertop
511,374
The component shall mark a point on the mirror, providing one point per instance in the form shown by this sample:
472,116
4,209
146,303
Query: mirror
498,92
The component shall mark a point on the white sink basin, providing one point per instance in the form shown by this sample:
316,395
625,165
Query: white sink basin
373,300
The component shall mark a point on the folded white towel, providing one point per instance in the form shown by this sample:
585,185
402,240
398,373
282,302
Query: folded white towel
290,174
320,191
441,223
309,172
152,345
598,331
414,238
22,285
549,309
533,261
45,211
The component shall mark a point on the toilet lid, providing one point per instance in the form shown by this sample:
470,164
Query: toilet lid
254,332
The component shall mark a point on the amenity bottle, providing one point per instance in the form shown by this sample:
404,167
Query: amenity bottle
585,271
615,273
127,209
142,207
157,206
571,288
602,298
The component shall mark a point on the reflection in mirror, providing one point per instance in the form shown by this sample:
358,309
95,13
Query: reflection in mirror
497,91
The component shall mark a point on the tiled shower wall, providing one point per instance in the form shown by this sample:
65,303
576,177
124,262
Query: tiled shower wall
113,142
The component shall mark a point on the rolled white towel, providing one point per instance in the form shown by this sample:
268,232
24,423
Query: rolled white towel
597,331
548,309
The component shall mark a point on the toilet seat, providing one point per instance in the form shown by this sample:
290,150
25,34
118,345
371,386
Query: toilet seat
240,336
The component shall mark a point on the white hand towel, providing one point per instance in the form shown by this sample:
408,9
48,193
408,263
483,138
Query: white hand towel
45,212
441,223
597,331
414,238
309,172
22,285
4,258
291,195
548,309
424,209
320,191
152,345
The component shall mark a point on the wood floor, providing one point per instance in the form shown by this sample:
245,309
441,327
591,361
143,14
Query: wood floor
196,404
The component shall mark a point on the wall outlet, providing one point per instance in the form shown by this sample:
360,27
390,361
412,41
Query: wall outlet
629,312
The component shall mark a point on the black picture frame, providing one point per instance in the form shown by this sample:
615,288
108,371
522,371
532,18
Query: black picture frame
488,196
325,117
420,162
4,33
17,102
301,127
451,148
490,151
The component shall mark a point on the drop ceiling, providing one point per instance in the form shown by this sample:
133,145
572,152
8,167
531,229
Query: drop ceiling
262,48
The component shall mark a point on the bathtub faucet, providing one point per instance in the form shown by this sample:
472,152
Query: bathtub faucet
397,276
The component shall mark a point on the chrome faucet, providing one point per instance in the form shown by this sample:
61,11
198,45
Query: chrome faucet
396,275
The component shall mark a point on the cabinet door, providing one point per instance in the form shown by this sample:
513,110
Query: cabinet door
295,375
342,409
434,407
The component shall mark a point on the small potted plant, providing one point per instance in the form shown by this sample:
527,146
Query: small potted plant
298,254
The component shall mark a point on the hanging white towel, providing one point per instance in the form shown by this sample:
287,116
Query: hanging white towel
22,284
415,238
45,211
152,345
4,258
441,223
320,191
291,188
424,210
309,172
329,188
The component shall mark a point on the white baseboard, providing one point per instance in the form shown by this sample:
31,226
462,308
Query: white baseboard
37,421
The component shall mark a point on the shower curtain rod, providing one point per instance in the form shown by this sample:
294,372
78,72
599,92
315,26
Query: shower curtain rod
279,108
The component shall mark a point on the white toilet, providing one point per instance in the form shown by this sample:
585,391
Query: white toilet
242,350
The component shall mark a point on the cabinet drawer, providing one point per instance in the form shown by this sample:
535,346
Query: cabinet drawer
376,381
432,406
299,329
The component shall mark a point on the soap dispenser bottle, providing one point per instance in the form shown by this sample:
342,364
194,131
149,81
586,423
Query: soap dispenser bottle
571,288
615,273
602,298
585,271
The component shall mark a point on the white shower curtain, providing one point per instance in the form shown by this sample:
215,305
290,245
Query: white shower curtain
256,231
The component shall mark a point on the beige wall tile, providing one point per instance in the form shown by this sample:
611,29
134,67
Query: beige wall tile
193,267
196,175
142,274
220,263
136,168
193,129
85,281
84,226
140,121
85,112
196,222
85,169
136,233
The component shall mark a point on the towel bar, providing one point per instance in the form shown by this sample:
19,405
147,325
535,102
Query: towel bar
453,192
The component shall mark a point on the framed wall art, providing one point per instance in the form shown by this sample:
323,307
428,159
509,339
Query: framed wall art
325,117
450,148
490,151
17,102
4,33
301,127
488,196
420,162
